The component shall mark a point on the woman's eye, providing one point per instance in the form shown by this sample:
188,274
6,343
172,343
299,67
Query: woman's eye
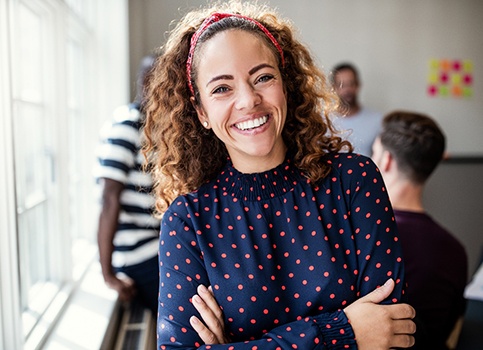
220,90
265,78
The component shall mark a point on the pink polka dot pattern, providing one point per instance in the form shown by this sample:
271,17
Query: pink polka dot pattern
283,256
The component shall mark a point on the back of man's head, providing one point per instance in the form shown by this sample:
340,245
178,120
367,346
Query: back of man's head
415,141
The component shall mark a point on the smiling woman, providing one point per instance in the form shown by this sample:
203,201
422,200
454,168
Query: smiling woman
274,235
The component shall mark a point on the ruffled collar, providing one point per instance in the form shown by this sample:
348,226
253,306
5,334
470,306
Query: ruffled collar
260,186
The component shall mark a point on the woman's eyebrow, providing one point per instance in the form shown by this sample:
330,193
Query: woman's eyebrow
220,77
260,66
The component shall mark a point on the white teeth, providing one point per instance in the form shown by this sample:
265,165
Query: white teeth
250,124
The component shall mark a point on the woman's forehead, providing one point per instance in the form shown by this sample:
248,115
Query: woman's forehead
232,47
235,40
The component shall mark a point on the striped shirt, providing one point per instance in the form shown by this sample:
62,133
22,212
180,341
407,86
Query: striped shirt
120,159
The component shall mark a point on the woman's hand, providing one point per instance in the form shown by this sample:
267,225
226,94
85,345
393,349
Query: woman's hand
381,326
213,330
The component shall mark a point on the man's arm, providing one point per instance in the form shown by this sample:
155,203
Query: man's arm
108,222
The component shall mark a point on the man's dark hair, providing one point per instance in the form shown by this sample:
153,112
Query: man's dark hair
344,66
415,141
142,77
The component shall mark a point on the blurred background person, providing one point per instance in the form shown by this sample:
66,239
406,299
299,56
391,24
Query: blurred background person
127,231
360,124
408,149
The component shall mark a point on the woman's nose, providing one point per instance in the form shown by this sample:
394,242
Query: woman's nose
247,97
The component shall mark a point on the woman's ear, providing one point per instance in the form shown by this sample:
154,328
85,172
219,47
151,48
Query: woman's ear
200,113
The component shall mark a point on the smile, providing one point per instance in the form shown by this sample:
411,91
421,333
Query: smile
251,124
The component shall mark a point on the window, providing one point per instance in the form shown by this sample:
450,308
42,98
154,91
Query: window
55,93
36,178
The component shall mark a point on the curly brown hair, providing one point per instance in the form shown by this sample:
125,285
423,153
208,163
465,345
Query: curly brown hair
183,154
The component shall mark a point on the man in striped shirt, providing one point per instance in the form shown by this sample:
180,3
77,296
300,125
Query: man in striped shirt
127,232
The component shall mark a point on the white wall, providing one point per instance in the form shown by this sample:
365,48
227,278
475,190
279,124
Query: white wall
391,42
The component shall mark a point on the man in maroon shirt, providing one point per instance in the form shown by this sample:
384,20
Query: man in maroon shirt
408,149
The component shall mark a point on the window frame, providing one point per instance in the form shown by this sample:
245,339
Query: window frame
106,86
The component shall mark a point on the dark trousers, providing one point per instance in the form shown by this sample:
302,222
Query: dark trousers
146,277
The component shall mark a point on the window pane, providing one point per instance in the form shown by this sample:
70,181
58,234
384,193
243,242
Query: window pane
74,93
30,56
31,157
35,153
54,97
81,200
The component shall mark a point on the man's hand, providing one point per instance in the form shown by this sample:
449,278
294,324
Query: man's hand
381,326
212,331
124,286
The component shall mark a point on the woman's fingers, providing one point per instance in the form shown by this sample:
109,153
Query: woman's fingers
402,341
209,298
406,326
379,326
401,311
207,336
212,331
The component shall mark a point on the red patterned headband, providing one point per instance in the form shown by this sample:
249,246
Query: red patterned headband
213,19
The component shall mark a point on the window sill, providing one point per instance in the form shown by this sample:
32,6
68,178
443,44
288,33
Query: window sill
89,319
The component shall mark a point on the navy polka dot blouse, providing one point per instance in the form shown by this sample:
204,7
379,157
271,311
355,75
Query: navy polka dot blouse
283,256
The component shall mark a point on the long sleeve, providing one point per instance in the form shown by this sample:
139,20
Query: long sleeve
378,250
